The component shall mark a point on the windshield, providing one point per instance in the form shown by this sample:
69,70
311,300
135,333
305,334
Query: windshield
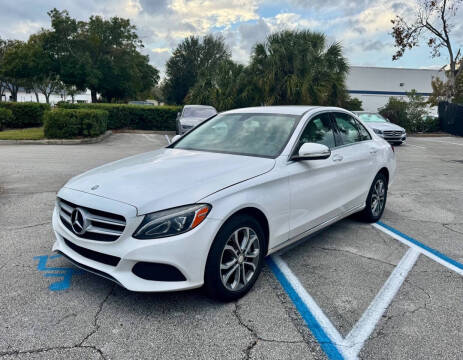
199,112
246,134
372,117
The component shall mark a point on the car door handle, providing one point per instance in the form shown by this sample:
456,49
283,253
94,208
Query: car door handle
337,157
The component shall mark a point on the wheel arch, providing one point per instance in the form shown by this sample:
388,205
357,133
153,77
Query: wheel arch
259,216
385,171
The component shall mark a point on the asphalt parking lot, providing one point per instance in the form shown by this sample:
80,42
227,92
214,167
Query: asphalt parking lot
352,290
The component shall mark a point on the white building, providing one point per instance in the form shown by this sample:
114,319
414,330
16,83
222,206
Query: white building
29,96
375,85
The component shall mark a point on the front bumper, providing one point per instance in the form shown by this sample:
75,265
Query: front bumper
400,138
186,252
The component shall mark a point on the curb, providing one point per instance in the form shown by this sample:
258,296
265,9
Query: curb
129,131
58,141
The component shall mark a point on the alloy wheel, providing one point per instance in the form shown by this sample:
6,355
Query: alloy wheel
240,258
378,197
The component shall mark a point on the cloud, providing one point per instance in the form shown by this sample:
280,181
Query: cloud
362,26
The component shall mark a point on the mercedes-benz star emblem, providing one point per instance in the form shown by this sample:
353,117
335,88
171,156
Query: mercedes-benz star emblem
79,221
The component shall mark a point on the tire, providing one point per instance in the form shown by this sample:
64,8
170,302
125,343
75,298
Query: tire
228,284
371,213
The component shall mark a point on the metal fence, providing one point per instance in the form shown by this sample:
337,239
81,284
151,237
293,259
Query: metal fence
451,118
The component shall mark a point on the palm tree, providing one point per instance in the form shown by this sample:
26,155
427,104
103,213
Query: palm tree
296,67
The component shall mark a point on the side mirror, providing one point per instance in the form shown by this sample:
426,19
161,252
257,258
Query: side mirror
313,151
175,138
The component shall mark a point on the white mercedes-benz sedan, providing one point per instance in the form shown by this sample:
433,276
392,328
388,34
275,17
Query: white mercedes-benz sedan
207,209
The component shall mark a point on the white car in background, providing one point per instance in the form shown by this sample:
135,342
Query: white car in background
192,115
208,208
383,127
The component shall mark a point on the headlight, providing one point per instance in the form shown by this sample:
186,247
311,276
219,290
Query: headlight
379,132
172,221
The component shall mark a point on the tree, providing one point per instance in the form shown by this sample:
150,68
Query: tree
440,92
191,56
458,99
297,67
353,104
100,55
433,20
14,67
42,72
222,87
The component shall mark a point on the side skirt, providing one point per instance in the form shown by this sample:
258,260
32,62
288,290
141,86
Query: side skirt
308,233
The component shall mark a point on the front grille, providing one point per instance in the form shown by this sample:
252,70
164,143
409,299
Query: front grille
102,225
392,133
93,255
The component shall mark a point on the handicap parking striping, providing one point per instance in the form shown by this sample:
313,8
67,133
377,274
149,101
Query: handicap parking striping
65,272
424,249
330,340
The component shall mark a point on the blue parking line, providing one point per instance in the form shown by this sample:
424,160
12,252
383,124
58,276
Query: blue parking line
423,246
320,335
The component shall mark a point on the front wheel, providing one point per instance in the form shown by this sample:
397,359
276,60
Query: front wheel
235,259
376,200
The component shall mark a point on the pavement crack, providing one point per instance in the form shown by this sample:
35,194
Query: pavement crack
46,349
354,253
96,326
256,338
253,343
447,226
28,226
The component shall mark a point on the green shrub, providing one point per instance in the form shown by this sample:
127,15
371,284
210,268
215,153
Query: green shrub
5,117
140,117
412,115
71,123
25,114
396,111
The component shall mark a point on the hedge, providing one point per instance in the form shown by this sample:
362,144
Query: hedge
139,117
25,114
71,123
5,117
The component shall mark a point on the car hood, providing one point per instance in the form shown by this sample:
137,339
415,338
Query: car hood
191,121
168,178
384,126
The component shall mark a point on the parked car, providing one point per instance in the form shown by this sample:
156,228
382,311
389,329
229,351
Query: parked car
140,102
192,115
383,127
208,208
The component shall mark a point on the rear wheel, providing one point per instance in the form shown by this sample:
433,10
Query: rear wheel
376,200
235,259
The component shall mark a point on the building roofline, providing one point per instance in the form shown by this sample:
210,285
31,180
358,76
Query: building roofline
393,68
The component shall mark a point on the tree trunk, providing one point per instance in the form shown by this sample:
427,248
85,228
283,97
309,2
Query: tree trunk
36,96
72,98
47,98
93,92
14,95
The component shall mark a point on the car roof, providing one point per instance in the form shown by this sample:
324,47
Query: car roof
286,109
199,106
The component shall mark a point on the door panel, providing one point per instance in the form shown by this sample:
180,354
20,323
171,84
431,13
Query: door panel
315,187
357,163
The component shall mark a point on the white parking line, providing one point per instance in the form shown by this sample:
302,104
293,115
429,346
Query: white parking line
333,344
365,326
422,147
168,139
443,142
425,250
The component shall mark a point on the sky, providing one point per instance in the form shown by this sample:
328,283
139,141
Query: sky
362,26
